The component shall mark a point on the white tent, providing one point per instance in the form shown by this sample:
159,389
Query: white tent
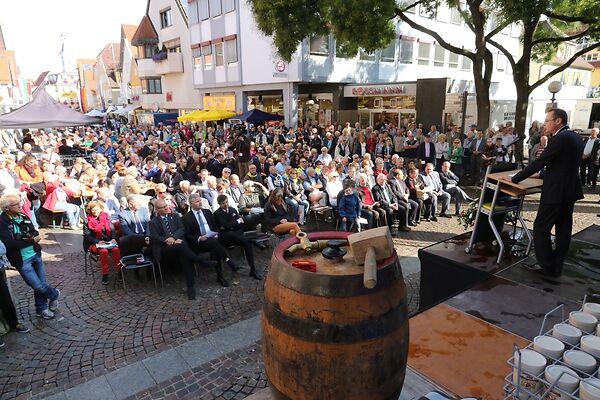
95,113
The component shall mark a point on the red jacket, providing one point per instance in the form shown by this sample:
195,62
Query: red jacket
51,196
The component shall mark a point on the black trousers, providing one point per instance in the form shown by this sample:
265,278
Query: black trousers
216,250
6,303
559,216
180,254
236,238
586,170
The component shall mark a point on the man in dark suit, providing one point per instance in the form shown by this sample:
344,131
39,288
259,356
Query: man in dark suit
201,233
168,235
400,190
262,167
426,151
231,231
477,148
561,189
450,184
383,194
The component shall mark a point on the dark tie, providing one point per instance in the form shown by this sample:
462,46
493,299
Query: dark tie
138,224
166,221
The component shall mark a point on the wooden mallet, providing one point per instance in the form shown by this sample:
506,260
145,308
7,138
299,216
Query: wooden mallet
368,247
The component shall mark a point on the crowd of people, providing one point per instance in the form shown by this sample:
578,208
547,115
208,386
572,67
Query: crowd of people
183,190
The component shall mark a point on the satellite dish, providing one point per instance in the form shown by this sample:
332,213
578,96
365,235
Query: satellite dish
155,107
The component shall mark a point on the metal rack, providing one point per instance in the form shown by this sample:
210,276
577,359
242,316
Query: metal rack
514,390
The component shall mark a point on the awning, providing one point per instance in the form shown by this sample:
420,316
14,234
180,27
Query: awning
202,115
95,113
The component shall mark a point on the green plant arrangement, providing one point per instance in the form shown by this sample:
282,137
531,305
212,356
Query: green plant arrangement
467,217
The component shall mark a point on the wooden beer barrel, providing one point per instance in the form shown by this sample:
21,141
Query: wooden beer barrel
325,336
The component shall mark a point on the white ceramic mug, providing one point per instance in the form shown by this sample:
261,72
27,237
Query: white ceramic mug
585,322
568,382
593,309
580,360
532,365
549,346
589,392
567,333
591,344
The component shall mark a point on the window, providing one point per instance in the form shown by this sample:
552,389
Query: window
215,8
319,45
501,62
219,61
364,56
466,64
165,18
231,51
592,56
406,51
203,10
452,60
197,56
207,58
193,7
339,53
455,17
439,55
228,5
423,55
148,50
389,53
151,86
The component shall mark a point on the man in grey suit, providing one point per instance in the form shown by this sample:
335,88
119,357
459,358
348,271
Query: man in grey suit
168,238
433,186
134,219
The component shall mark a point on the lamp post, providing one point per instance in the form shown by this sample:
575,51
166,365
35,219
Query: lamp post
554,87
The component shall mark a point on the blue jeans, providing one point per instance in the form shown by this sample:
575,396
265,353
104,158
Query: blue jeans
34,275
296,208
72,211
35,206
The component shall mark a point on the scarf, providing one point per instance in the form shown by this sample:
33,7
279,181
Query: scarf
100,226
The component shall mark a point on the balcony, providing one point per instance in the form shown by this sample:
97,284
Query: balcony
173,64
146,68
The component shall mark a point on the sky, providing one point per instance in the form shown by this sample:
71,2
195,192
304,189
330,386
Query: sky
33,28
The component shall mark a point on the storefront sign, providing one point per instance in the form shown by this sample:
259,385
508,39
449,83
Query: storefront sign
222,103
380,90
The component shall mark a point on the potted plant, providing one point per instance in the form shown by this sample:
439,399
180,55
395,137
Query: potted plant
161,54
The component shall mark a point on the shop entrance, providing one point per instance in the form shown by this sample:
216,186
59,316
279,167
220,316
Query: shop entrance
375,118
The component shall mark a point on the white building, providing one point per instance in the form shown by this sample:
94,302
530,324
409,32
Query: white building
164,65
131,89
236,66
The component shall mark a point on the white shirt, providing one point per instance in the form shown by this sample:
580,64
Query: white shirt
203,224
587,150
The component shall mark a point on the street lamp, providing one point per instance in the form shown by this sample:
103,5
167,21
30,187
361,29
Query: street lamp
554,87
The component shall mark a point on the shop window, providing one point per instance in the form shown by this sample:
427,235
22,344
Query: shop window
165,18
319,45
228,5
389,53
193,10
439,56
151,86
231,51
364,56
219,61
203,10
406,51
466,64
197,57
207,58
215,8
452,60
424,53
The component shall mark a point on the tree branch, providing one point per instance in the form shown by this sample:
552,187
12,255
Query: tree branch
496,30
461,12
566,65
565,38
435,35
409,7
506,53
569,18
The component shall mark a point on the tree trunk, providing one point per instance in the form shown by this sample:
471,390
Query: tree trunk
482,90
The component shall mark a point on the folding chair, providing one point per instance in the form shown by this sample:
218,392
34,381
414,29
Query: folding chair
132,257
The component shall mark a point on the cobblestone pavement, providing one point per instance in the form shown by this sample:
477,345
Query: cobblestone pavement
101,328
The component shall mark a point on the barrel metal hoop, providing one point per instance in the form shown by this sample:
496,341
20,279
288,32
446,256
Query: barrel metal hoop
335,285
320,332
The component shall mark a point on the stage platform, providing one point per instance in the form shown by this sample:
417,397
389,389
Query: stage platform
473,310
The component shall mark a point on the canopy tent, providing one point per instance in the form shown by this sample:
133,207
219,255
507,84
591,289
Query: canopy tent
203,115
44,112
125,110
257,115
95,113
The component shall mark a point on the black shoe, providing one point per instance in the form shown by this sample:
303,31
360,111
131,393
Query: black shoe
405,229
224,282
434,219
444,215
191,293
105,280
255,274
412,224
1,343
426,219
234,267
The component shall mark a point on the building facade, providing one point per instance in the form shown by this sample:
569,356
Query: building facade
108,76
87,83
164,63
234,63
130,86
